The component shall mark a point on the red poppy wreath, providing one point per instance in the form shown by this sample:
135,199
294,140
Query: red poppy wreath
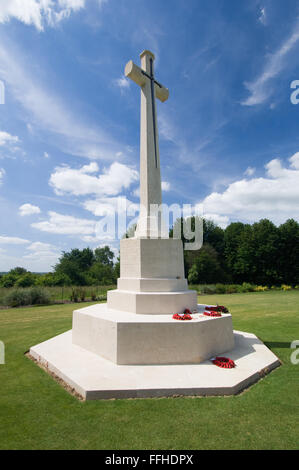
224,362
183,316
212,314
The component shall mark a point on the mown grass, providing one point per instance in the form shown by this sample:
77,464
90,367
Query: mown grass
37,413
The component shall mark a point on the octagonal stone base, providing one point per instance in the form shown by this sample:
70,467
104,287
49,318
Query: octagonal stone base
127,338
94,377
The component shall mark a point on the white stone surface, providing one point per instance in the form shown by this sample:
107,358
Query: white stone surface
150,178
152,284
94,377
144,265
127,338
151,258
152,303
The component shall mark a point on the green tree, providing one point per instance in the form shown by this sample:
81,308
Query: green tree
26,280
232,241
8,280
207,266
257,254
117,268
104,255
288,252
18,271
75,265
193,277
102,274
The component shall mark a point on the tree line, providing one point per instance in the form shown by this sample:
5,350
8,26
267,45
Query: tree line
261,254
77,267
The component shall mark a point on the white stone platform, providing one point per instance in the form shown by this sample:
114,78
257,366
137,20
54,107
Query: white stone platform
94,377
128,338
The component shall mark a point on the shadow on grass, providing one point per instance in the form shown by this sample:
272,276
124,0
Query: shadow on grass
277,344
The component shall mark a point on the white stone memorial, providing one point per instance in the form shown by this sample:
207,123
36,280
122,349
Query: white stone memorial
132,346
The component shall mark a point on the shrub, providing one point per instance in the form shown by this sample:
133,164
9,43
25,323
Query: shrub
220,288
32,296
193,275
260,288
231,288
102,297
209,289
17,297
93,295
74,297
78,294
38,296
82,294
247,287
285,287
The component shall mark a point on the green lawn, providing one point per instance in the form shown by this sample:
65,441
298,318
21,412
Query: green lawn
37,413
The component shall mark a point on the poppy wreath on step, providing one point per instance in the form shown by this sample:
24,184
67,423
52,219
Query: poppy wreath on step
183,316
216,308
224,362
212,314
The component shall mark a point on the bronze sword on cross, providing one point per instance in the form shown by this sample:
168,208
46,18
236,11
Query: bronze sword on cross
139,75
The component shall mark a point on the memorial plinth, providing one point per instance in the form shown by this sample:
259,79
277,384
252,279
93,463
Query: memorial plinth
152,278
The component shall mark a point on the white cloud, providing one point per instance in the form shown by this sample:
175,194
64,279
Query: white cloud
73,4
136,192
7,139
90,239
249,171
42,252
40,246
295,161
2,173
79,182
123,83
38,13
274,196
165,186
28,209
12,240
46,155
65,225
110,206
221,220
263,16
260,89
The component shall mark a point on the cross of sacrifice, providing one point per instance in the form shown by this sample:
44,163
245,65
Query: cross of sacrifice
150,178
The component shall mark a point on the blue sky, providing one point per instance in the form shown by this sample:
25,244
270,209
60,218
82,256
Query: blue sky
69,127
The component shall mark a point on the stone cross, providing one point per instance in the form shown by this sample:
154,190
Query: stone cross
150,177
